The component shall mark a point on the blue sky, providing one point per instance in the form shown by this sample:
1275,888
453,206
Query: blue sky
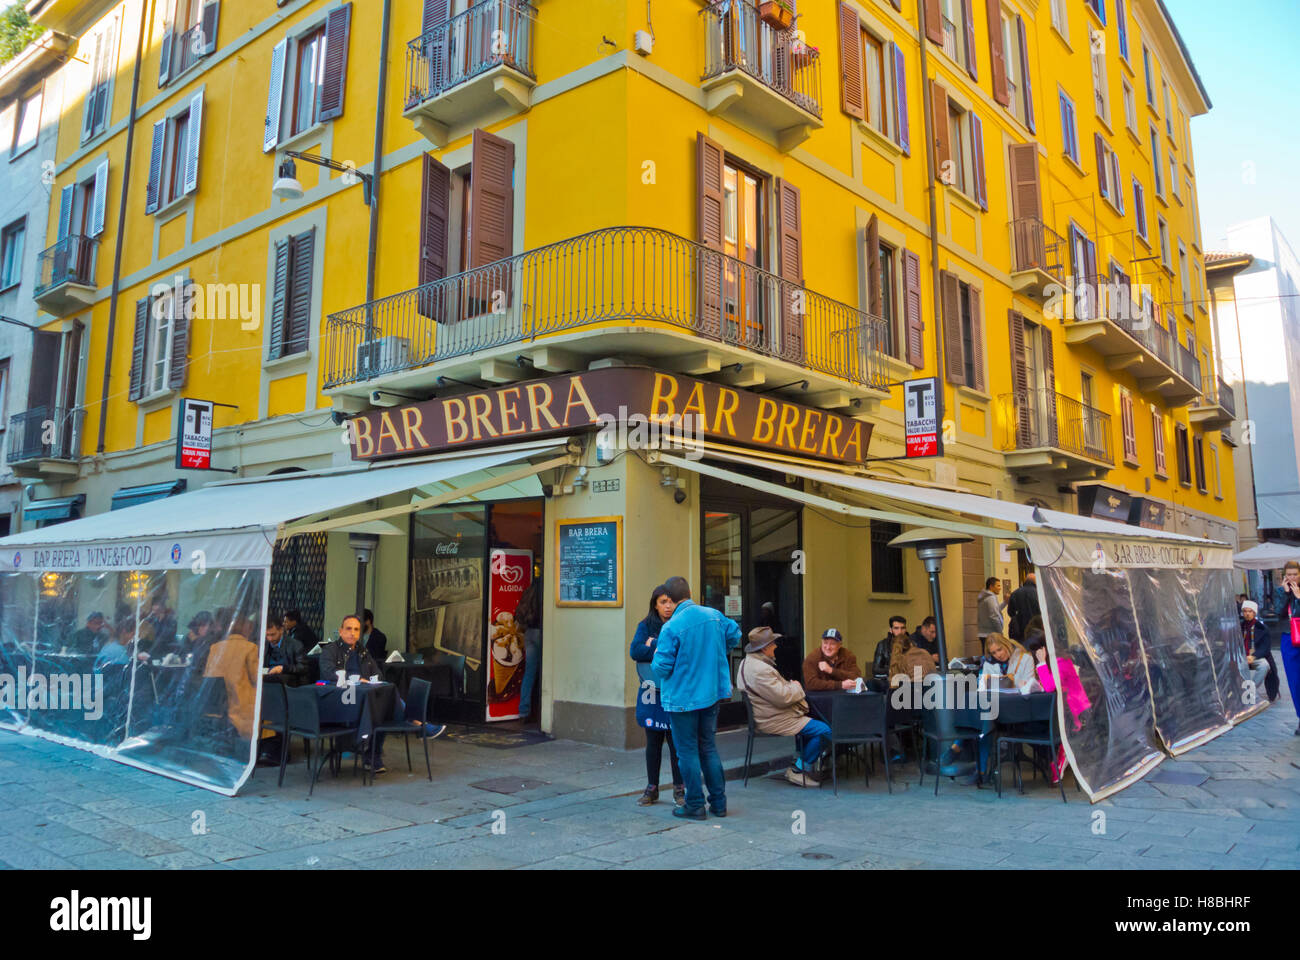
1248,55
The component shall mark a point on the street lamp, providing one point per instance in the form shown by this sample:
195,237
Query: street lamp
287,187
18,323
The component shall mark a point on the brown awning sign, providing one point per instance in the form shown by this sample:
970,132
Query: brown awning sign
605,399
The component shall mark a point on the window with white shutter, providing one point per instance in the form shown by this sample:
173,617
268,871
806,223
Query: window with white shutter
308,77
174,158
100,50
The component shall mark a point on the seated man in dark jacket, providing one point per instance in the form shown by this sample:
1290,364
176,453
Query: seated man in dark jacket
347,654
927,637
283,656
1258,649
880,661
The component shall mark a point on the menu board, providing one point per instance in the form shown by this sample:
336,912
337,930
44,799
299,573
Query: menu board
589,562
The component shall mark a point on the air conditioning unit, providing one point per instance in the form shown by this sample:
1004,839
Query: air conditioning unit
382,356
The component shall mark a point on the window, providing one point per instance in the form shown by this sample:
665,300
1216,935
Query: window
1130,105
1099,8
1173,176
1214,464
1165,255
4,394
957,138
11,253
1169,112
81,214
1156,169
1198,459
174,160
1061,18
189,35
158,364
291,297
1108,175
880,100
963,331
1184,464
888,301
1100,80
954,34
1196,214
1183,274
160,345
1158,435
886,562
103,63
1128,427
28,127
1150,77
873,74
1015,68
1140,208
308,72
1069,133
1121,26
1083,262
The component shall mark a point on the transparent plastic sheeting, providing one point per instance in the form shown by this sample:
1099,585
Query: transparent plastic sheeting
1159,653
167,677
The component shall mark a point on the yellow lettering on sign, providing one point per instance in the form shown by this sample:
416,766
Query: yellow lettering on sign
808,436
726,410
855,441
583,401
789,417
457,429
661,401
388,429
695,402
833,427
412,420
361,430
480,411
542,406
765,421
508,411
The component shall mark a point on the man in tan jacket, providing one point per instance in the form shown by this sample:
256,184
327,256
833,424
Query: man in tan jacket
779,705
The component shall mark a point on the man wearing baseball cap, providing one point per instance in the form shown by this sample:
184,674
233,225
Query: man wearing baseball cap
830,666
779,705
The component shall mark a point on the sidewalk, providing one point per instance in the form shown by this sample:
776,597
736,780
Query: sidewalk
560,804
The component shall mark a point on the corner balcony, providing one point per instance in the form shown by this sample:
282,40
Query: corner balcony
763,78
631,292
66,275
1106,319
45,442
473,69
1049,436
1217,407
1037,259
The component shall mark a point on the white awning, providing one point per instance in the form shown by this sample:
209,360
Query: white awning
236,523
1266,556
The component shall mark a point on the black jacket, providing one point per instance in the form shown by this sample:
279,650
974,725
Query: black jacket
377,644
1285,606
929,646
880,660
1259,645
305,635
289,654
1022,605
334,657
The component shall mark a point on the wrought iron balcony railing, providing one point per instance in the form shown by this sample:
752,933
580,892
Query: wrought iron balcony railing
628,275
736,38
71,260
1036,246
1044,418
1187,366
1227,399
487,35
45,433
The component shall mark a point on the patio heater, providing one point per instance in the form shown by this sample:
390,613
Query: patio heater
931,547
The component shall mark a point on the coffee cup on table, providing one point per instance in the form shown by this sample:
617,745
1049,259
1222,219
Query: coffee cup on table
342,677
354,678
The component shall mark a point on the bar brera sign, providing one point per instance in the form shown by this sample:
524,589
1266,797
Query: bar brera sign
587,401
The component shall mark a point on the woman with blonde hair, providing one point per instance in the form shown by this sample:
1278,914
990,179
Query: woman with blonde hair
1005,658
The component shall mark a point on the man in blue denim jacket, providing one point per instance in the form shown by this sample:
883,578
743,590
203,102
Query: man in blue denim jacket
691,660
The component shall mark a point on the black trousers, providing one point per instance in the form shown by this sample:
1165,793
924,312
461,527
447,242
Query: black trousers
1271,682
654,755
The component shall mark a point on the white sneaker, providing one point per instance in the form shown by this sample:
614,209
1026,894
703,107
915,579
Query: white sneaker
798,778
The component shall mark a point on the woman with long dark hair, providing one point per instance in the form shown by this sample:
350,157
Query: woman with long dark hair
650,714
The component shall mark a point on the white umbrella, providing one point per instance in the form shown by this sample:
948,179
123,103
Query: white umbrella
1266,556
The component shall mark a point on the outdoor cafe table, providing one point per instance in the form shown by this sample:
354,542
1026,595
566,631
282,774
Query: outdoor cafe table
373,703
402,672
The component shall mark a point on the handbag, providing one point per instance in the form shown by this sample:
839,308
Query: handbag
1295,631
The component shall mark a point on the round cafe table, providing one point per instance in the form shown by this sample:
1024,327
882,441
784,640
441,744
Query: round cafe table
371,703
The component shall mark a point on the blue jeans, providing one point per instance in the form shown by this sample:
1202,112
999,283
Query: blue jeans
697,753
814,736
532,664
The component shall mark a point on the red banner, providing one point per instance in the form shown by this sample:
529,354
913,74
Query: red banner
510,572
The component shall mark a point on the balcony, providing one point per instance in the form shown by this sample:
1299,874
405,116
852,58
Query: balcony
1049,436
621,291
758,76
66,275
1106,319
45,442
1217,407
474,69
1037,258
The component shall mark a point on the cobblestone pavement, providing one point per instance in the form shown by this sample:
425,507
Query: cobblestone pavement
569,805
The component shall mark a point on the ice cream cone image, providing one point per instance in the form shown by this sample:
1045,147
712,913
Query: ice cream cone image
507,653
501,675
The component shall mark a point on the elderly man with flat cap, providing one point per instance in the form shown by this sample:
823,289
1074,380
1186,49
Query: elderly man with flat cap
779,705
830,666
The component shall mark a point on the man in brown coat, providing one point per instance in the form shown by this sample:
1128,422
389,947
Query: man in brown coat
779,705
830,666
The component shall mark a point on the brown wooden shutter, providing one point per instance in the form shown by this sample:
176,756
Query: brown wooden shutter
1026,86
182,310
1020,382
491,200
709,162
1100,146
790,232
297,333
939,108
977,159
1026,210
998,54
138,339
852,94
968,28
279,299
915,323
338,26
933,22
435,15
1049,381
153,188
976,305
875,293
1158,436
435,203
902,131
954,354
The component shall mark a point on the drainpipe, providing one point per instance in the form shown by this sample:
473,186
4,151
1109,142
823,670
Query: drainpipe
375,166
934,192
121,229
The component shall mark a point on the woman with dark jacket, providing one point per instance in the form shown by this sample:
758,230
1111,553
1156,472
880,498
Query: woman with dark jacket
1286,606
650,714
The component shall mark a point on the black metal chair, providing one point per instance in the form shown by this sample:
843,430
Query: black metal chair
963,729
860,719
754,733
1035,725
417,708
903,720
211,714
303,709
275,717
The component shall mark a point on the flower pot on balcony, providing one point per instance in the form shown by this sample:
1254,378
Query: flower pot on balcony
801,59
775,15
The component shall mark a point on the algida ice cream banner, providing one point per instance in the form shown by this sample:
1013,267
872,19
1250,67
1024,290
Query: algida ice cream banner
510,572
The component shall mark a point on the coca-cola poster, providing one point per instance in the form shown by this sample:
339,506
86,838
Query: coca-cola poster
510,572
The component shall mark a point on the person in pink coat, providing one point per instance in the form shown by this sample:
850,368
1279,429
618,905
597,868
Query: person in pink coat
1076,698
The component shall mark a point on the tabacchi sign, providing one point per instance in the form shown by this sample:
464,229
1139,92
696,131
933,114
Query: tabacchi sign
583,401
